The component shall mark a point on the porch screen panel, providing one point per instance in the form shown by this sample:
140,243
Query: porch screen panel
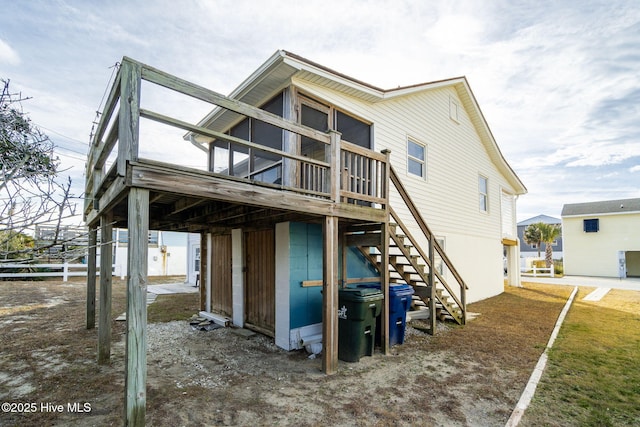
353,130
239,154
313,178
268,167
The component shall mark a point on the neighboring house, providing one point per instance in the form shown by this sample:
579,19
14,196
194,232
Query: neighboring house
167,253
316,181
527,250
193,259
602,238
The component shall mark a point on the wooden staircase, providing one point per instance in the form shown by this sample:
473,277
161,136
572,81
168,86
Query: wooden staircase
409,263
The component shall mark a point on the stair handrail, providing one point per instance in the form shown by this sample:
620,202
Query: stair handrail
427,232
425,257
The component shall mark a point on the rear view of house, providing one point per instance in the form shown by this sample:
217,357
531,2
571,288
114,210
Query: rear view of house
315,181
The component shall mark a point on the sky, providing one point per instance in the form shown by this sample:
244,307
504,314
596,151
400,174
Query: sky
557,81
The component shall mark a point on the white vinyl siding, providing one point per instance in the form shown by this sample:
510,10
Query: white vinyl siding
448,200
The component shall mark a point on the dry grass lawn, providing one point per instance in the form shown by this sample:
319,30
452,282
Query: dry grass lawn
470,375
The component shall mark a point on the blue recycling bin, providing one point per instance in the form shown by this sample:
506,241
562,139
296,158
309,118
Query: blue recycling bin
399,303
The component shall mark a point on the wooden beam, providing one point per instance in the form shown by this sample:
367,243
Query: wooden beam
183,86
384,286
106,261
136,348
163,177
204,272
184,204
312,283
509,242
334,173
91,277
330,295
291,141
385,231
161,118
432,286
367,239
129,118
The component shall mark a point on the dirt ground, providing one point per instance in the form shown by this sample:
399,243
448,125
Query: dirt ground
470,375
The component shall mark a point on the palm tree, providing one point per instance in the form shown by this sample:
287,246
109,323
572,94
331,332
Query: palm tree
548,234
533,235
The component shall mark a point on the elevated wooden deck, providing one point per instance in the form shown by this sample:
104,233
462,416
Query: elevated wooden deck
351,183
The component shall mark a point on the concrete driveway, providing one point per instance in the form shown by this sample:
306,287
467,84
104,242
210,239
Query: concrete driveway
632,284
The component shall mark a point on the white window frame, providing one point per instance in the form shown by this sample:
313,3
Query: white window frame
411,158
482,195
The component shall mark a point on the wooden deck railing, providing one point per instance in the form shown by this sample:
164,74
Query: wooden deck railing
350,174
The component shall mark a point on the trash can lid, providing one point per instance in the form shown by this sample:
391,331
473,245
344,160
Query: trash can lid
401,289
360,294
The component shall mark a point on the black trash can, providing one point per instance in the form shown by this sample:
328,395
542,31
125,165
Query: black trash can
357,313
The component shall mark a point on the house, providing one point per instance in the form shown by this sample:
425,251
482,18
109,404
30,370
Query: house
602,238
167,253
315,181
530,251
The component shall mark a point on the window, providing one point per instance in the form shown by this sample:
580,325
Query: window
483,193
591,225
416,158
196,260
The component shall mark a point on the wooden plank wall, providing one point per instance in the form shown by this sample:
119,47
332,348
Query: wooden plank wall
221,297
260,280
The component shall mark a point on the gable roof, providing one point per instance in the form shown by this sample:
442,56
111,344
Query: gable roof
602,207
540,218
277,72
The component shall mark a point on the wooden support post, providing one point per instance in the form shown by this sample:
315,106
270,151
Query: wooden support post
330,295
335,172
91,277
106,261
204,273
432,286
129,122
208,280
345,249
384,259
291,142
136,348
384,285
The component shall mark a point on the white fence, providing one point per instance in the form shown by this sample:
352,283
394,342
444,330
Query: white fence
64,270
531,269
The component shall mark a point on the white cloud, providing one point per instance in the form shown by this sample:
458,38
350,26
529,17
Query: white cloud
7,54
634,169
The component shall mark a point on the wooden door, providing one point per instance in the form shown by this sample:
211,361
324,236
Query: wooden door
221,297
260,282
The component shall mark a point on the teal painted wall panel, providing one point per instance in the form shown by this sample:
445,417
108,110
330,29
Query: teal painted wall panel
306,264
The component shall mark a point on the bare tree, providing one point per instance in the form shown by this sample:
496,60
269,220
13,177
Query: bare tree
30,193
